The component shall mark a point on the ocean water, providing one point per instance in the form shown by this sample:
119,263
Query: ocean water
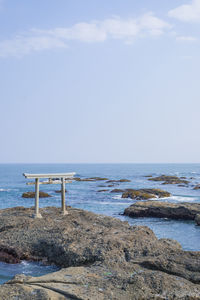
85,195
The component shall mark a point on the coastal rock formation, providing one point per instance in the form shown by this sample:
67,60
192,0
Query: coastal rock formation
117,191
32,195
118,181
197,219
89,179
170,179
101,191
101,258
197,187
145,194
59,191
182,211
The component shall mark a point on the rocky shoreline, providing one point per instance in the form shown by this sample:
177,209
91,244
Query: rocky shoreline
158,209
101,258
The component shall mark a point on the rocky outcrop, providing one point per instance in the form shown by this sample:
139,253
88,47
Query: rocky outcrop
197,187
59,191
145,194
90,179
32,195
197,219
117,191
118,181
101,258
182,211
170,179
102,191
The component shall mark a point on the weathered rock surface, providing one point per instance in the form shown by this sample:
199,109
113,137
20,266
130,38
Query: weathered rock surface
102,191
120,181
145,194
197,219
170,179
117,191
197,187
182,211
32,195
101,257
90,179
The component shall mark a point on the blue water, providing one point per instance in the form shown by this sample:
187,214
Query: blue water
85,195
7,271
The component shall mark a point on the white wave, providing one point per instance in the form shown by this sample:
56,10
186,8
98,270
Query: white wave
117,197
179,198
184,198
4,190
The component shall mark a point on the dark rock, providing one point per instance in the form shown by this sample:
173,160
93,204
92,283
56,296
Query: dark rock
197,187
98,178
197,219
101,258
169,179
182,211
32,195
100,191
147,176
145,194
120,180
59,191
90,179
117,191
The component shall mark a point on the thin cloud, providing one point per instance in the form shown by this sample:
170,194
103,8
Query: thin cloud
186,38
126,30
187,13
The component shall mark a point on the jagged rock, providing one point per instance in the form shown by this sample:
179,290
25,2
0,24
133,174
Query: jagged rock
32,195
145,194
182,211
197,219
169,179
100,191
101,258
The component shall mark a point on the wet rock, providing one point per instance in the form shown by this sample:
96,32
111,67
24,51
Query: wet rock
8,255
145,194
101,258
59,191
120,181
197,187
181,211
101,191
90,179
117,191
197,219
32,195
169,179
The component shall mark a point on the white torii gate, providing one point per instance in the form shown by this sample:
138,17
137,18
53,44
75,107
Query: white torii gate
56,178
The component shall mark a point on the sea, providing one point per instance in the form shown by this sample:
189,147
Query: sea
86,195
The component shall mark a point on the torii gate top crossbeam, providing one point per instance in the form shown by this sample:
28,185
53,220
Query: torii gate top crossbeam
55,175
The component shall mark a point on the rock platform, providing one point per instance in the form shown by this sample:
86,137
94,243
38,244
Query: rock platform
100,258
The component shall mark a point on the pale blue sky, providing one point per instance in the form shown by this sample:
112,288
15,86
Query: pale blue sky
99,81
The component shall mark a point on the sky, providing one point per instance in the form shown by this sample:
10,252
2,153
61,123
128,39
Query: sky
94,81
